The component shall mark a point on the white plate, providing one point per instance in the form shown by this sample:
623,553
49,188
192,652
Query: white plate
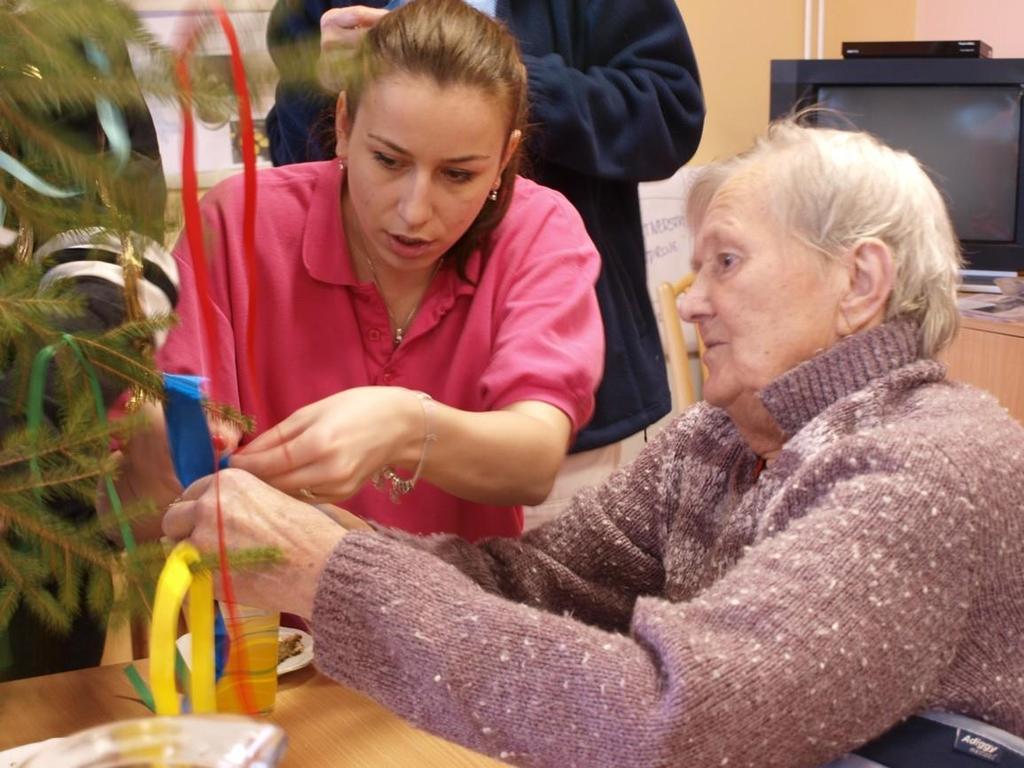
303,659
290,664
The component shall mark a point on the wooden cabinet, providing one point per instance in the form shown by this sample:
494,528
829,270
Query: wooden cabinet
990,355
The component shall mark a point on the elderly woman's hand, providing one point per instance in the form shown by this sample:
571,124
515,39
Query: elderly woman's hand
256,515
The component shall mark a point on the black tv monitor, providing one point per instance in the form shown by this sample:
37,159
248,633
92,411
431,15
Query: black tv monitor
962,118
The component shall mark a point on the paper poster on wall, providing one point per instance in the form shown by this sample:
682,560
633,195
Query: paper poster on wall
667,246
668,242
217,145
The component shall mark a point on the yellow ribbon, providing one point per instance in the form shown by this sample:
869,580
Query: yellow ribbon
176,580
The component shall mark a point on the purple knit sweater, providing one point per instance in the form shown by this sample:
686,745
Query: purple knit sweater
688,613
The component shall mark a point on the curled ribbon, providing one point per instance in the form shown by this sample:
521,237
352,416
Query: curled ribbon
176,581
111,121
194,236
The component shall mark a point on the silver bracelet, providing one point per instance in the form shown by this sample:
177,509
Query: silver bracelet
387,479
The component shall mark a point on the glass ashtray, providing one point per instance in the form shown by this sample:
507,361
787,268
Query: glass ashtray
191,741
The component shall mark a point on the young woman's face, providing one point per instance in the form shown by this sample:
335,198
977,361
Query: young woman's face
421,160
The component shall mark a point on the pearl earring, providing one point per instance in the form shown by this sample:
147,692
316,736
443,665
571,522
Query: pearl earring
493,197
341,164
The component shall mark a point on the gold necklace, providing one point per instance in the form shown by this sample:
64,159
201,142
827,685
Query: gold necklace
399,333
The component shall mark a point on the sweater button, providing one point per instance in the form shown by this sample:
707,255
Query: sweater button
373,334
388,377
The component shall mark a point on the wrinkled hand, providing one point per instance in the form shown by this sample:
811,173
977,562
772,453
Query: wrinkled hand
341,30
330,448
255,516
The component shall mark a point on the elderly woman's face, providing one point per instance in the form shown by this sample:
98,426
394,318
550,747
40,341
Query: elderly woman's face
763,300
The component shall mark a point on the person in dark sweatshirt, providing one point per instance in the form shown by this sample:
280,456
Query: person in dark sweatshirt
615,100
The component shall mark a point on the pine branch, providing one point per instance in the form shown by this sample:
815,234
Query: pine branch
69,579
255,557
59,478
229,415
49,90
10,572
20,447
99,593
9,600
47,528
46,608
21,567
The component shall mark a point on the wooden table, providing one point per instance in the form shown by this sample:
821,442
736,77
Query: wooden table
327,724
990,354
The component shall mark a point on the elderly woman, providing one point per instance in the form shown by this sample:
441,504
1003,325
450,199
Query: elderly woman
832,543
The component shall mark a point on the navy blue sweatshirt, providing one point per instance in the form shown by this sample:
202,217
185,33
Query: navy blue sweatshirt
615,100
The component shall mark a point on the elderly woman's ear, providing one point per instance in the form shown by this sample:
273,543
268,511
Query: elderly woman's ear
870,270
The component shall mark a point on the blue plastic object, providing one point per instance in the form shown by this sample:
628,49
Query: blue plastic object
188,436
187,431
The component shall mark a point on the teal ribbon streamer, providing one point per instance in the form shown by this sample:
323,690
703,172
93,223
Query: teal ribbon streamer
111,121
29,179
110,117
34,415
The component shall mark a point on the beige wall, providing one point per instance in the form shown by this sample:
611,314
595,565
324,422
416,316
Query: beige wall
998,22
866,20
736,39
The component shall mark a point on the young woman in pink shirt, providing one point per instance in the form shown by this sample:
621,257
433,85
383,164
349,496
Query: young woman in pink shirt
428,323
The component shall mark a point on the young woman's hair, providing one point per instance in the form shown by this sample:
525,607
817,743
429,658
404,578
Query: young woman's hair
454,45
833,188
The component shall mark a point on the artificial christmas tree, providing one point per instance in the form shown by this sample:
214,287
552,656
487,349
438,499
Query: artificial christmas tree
81,199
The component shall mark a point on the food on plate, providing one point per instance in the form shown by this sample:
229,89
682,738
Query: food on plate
288,645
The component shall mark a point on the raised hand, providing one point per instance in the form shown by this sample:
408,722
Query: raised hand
341,30
345,27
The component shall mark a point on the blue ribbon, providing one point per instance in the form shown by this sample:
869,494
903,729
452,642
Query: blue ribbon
188,436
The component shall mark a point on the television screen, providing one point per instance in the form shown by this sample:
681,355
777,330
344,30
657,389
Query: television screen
967,138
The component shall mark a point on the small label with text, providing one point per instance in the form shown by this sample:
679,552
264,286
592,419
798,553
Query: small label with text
978,746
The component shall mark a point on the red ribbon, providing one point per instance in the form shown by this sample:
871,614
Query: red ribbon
194,237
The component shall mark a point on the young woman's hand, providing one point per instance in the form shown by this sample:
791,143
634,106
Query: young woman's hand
326,451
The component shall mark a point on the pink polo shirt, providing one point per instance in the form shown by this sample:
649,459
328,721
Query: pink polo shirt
529,329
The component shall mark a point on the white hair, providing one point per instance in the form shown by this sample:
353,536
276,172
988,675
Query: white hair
833,188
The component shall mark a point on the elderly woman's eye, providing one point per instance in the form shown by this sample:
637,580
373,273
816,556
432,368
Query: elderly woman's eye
726,259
